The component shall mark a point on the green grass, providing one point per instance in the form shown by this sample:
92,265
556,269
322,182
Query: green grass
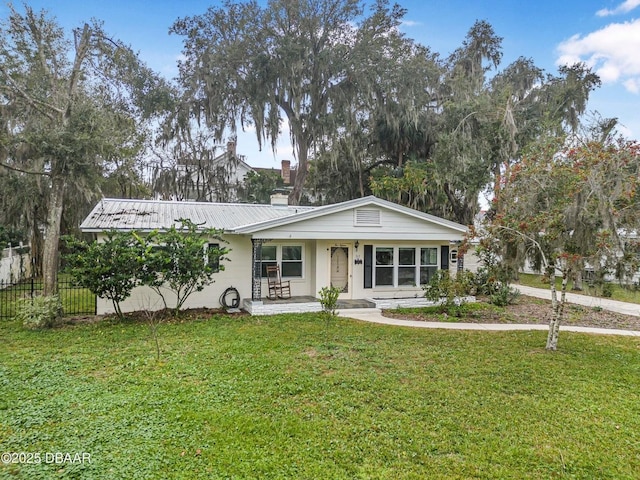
618,292
275,397
74,300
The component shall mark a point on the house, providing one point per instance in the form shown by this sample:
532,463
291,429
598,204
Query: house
205,179
285,172
371,249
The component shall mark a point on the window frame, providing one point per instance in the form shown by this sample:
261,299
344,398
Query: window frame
435,265
215,265
407,267
279,260
396,267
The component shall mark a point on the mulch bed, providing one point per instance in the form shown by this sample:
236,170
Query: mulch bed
164,316
530,310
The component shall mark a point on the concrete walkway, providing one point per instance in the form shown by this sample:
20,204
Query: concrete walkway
586,300
374,315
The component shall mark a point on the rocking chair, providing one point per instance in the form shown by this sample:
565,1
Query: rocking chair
277,288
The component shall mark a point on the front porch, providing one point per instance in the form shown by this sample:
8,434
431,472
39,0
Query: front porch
308,304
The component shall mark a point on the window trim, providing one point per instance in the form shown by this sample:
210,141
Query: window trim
278,261
417,266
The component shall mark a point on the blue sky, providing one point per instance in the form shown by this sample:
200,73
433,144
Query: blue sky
603,33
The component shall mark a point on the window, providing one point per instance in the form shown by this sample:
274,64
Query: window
291,261
407,266
289,257
404,266
213,256
428,264
384,266
269,258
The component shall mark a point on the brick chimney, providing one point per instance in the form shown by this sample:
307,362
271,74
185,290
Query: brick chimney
286,171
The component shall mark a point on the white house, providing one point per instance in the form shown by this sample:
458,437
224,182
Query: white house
370,248
216,179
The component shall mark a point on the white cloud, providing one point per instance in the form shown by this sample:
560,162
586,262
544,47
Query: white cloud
633,85
612,52
624,7
413,23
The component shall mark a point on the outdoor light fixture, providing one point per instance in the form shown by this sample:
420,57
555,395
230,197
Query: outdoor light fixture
357,244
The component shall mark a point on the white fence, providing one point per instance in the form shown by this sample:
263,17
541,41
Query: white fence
14,265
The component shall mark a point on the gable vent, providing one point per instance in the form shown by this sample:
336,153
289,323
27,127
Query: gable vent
366,217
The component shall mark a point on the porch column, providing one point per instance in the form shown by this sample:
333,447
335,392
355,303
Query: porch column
256,267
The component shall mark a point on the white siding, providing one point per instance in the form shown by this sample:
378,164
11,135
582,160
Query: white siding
393,226
237,274
299,286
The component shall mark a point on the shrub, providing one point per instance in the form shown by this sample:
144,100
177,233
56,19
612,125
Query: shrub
175,259
329,301
39,312
607,290
504,295
107,268
448,291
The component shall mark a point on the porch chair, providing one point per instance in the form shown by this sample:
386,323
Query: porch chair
277,288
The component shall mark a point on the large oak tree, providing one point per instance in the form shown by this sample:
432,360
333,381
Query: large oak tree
294,62
68,107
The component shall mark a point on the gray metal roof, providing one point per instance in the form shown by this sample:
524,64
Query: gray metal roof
147,215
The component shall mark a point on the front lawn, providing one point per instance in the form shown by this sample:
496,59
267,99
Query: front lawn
279,397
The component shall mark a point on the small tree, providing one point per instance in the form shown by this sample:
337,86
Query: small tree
329,301
176,259
565,206
107,268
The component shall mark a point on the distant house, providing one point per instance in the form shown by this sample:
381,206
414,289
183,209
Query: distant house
204,179
15,265
288,174
371,249
285,172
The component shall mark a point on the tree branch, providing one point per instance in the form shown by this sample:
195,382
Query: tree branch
534,241
35,103
29,172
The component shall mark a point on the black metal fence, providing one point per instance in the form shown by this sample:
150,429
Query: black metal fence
75,300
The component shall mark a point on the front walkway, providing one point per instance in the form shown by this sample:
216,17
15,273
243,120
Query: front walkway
604,303
374,315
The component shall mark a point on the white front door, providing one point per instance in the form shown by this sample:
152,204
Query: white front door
340,272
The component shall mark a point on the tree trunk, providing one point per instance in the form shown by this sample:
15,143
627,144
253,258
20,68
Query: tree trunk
577,280
52,237
301,173
554,309
558,309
